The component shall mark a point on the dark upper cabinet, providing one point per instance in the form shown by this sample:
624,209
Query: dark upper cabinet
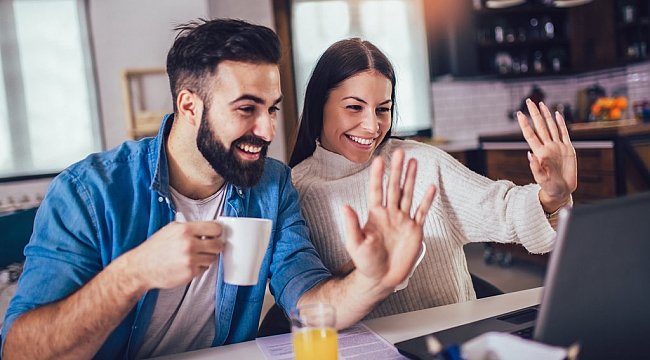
535,38
593,36
529,39
632,29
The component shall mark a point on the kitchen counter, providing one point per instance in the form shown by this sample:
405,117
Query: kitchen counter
587,131
613,158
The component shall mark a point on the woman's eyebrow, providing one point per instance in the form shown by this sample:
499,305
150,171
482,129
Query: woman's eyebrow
363,101
355,98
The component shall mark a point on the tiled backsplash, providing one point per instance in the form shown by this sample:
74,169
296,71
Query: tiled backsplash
466,109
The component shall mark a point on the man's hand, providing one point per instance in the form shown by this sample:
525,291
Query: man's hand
386,247
176,254
553,161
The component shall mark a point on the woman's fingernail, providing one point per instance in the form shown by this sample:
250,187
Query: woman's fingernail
530,156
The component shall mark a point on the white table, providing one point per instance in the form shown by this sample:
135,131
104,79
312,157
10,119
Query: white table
398,327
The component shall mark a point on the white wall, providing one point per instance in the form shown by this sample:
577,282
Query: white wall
138,34
132,34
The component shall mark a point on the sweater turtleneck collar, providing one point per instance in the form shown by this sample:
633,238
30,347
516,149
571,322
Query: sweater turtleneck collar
336,166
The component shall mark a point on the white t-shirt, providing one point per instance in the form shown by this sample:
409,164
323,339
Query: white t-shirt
184,316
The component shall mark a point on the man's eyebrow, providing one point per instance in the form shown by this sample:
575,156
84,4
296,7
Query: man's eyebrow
255,99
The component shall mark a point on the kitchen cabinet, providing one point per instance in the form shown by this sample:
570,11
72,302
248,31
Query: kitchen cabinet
632,19
596,166
530,39
464,41
593,36
613,160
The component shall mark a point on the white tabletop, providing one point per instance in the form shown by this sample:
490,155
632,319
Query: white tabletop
398,327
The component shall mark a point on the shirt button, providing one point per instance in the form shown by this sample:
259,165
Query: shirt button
160,199
241,192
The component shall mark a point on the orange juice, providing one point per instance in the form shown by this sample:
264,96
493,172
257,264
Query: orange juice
315,344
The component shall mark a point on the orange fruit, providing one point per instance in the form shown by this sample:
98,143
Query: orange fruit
621,102
615,113
608,102
595,108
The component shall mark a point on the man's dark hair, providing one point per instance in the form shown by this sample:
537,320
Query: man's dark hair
338,63
201,45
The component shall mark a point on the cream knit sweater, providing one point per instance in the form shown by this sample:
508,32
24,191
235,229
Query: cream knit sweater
467,208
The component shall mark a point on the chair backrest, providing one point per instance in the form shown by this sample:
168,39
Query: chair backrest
15,230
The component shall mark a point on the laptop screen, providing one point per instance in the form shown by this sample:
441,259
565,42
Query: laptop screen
597,286
596,289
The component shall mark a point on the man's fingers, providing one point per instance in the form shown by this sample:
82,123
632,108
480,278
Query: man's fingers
201,229
208,246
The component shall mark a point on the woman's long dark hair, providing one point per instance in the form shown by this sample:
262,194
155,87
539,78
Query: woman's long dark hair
339,62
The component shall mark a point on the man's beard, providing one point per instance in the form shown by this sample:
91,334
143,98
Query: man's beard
224,162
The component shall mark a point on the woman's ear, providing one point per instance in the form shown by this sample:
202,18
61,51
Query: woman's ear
190,107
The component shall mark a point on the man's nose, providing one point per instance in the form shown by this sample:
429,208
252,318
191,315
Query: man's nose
266,126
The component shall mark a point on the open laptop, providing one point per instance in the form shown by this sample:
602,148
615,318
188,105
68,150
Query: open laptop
596,289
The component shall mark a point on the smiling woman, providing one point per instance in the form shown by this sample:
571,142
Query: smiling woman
48,108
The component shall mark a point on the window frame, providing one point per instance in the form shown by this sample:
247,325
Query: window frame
15,91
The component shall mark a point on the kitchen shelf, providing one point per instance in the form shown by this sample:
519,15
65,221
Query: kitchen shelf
517,41
141,120
632,28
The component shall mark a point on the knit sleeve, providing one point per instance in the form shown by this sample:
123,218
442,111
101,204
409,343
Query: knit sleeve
480,209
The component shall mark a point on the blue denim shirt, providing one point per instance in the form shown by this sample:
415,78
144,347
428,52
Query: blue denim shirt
111,202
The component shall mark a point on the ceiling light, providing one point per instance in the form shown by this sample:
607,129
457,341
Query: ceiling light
569,3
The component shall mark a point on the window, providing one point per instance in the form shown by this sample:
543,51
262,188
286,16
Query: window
396,27
49,116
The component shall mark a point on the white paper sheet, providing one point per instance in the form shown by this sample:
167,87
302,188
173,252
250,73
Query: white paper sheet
355,343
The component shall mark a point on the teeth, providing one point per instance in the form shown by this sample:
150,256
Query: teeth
250,148
361,141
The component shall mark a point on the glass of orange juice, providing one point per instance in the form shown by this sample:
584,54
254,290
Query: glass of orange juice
313,332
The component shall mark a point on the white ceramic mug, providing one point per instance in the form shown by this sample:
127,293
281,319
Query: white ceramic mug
245,243
404,283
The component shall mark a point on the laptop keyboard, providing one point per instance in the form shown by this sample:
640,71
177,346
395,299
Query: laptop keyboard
526,333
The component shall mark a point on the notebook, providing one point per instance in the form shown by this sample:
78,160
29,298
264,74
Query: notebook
596,288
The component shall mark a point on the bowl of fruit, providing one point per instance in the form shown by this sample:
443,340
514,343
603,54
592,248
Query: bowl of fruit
609,108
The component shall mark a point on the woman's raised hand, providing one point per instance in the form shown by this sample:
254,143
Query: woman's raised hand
553,160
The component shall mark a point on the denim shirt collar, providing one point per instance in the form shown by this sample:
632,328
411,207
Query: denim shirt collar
160,181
